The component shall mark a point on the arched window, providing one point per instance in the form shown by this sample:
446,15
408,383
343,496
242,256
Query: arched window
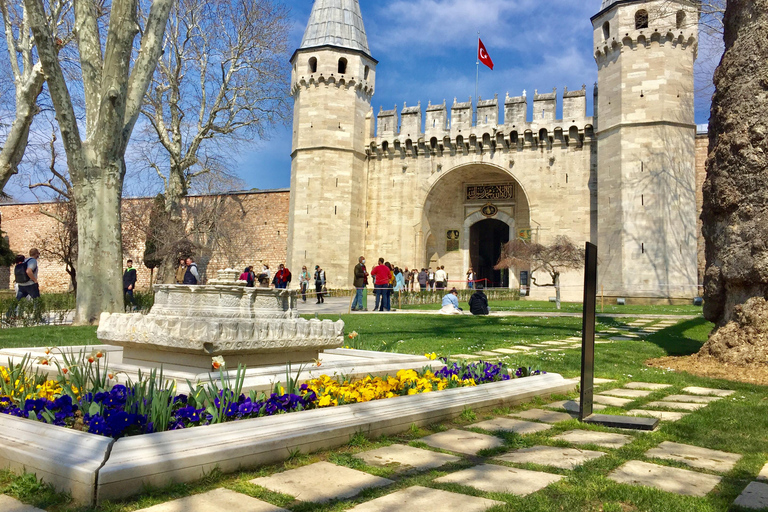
342,66
313,65
365,73
607,30
680,19
641,19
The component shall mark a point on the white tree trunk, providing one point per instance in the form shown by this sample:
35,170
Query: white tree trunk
557,290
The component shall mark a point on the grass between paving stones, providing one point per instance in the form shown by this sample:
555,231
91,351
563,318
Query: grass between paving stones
570,307
736,424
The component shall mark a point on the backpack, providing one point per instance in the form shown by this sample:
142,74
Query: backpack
20,273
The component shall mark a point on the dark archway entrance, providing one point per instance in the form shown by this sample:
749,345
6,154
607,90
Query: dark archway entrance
485,240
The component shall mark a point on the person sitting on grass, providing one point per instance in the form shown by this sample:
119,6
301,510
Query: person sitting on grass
478,302
451,303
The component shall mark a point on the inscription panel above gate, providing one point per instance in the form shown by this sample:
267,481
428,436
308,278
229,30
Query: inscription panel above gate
491,192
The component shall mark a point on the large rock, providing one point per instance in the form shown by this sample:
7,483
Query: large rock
744,340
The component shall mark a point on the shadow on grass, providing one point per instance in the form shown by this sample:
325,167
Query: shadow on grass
682,339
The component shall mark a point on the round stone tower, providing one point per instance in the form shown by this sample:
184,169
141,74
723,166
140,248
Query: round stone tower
647,231
332,81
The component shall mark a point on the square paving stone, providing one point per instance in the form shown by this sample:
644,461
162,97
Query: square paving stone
572,405
510,425
662,415
8,504
678,481
621,338
424,498
554,343
461,441
542,415
563,458
605,439
763,474
627,393
694,456
611,400
321,482
692,398
508,351
218,499
492,478
487,353
754,496
646,385
464,356
405,458
598,380
694,390
682,406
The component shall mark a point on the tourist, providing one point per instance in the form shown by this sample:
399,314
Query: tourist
445,281
129,283
431,279
451,303
380,275
478,302
247,276
414,277
264,276
400,279
191,275
423,279
304,283
470,278
282,277
406,278
25,274
440,278
181,270
389,287
360,282
320,284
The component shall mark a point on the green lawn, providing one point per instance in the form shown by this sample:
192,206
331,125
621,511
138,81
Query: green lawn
48,336
737,424
573,307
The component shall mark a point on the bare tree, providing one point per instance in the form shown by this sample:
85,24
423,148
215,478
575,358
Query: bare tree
28,75
113,89
555,258
221,79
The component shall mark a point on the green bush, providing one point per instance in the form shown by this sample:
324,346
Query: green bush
51,308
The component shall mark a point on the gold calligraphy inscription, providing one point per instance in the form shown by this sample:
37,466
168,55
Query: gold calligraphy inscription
490,192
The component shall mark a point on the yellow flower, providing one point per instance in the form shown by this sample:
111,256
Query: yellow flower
353,335
431,356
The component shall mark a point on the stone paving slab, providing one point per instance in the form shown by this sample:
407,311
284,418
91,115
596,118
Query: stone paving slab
572,405
646,385
524,348
754,496
218,499
695,390
464,356
8,504
321,482
461,441
492,478
763,474
563,458
598,380
424,498
627,393
694,456
622,338
676,480
611,400
555,343
682,406
510,425
509,351
542,415
662,415
692,398
406,458
487,353
604,439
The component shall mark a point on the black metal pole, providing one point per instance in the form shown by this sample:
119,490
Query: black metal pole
588,332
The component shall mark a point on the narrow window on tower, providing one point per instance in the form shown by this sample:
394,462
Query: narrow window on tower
641,19
334,210
337,182
606,30
642,199
642,248
680,19
342,66
365,73
566,178
313,65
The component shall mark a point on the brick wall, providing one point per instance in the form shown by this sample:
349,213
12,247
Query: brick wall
702,148
263,239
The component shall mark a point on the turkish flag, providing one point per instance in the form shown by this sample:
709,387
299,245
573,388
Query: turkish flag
482,54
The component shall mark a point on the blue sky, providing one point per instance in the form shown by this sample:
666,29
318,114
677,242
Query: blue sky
427,52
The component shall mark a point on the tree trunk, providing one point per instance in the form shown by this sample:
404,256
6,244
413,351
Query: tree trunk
177,190
556,280
736,189
100,251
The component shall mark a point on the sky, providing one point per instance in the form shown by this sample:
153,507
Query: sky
427,52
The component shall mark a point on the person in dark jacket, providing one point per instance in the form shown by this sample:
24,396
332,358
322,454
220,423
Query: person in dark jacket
478,302
360,282
191,276
129,283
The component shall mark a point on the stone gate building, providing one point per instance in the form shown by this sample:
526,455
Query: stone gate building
448,184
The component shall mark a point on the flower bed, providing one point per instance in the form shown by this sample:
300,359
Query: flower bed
109,408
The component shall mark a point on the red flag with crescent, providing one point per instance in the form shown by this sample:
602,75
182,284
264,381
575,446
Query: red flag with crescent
482,54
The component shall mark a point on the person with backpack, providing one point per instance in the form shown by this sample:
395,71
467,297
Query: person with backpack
282,277
129,283
320,284
478,303
304,283
191,276
25,274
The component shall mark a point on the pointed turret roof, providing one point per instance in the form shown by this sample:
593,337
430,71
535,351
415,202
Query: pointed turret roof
336,23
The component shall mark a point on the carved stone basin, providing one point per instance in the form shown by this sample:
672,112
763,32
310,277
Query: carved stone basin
189,325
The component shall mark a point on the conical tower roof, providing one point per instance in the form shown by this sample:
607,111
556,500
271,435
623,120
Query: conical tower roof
336,23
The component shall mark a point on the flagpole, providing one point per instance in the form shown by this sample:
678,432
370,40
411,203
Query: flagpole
477,77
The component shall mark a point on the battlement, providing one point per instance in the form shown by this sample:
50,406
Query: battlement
605,49
341,81
459,132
